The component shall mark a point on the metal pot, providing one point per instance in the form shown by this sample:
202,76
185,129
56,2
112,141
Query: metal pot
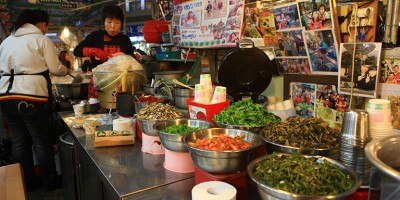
168,76
181,95
75,91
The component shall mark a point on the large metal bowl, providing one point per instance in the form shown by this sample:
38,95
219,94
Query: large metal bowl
254,129
146,126
173,142
222,161
267,192
274,147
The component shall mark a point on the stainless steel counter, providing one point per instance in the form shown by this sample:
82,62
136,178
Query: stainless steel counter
123,170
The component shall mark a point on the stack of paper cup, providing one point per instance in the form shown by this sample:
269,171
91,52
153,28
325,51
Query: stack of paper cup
219,95
200,95
206,80
380,118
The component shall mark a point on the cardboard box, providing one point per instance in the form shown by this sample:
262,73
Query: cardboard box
12,184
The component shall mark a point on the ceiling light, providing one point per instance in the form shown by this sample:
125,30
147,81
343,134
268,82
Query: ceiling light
66,32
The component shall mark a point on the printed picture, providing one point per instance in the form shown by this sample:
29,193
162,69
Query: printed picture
236,9
176,40
267,26
303,95
322,51
395,109
191,19
232,37
175,20
390,69
215,8
293,66
366,67
233,23
291,43
177,10
251,26
287,17
330,105
176,30
315,15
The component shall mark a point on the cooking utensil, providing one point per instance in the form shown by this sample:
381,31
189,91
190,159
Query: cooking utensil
78,78
222,161
182,84
173,142
245,71
268,192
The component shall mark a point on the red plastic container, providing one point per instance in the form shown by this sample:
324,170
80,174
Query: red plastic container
152,30
238,180
138,132
205,111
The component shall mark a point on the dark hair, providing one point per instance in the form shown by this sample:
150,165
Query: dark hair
113,12
396,66
322,5
62,59
31,17
373,67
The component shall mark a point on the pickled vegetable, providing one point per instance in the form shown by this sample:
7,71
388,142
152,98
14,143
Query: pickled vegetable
300,175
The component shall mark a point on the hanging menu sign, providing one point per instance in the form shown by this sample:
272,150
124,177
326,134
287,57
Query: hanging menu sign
207,23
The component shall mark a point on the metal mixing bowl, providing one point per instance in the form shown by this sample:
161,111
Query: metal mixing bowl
254,129
146,126
267,192
173,142
274,147
222,161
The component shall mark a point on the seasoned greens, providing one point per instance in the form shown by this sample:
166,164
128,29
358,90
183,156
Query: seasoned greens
181,129
300,175
308,133
245,113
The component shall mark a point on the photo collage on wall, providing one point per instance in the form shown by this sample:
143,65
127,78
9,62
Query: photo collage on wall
306,41
322,101
206,23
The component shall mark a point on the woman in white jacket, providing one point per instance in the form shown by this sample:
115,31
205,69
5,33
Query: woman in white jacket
27,57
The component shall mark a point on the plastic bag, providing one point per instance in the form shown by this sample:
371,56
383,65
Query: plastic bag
111,72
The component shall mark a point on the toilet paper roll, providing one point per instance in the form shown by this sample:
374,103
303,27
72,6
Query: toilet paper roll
214,190
123,124
219,95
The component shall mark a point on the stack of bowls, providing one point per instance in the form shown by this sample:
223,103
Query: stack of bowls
354,137
380,118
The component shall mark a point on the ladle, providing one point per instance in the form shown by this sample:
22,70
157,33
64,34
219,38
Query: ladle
182,84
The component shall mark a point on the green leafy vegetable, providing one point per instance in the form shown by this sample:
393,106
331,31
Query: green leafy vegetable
245,113
181,129
300,175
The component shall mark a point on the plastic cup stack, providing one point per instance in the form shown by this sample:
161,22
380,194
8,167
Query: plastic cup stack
206,80
380,118
200,95
219,95
354,137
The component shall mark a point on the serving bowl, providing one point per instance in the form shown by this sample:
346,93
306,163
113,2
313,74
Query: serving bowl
254,129
266,192
146,126
227,161
173,142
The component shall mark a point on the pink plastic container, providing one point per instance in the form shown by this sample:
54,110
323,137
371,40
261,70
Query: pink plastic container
152,144
178,162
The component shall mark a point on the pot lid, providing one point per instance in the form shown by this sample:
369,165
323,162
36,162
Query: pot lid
245,70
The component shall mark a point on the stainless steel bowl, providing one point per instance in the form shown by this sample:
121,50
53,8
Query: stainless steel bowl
222,161
274,147
181,102
267,192
254,129
173,142
147,126
183,92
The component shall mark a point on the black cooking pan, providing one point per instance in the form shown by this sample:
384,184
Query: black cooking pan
245,71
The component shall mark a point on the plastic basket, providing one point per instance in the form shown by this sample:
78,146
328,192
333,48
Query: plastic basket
205,111
237,180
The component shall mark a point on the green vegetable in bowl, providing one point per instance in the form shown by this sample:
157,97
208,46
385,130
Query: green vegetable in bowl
245,113
300,175
181,129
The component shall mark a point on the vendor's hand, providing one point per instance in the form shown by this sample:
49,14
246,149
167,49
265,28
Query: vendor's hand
97,53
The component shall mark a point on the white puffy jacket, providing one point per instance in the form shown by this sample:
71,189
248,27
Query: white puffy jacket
28,51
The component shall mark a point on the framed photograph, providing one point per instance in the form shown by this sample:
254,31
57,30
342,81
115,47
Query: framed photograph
286,17
366,67
293,65
315,15
390,71
215,9
303,95
322,51
291,43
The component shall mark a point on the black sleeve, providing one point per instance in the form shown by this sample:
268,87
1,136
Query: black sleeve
89,41
126,45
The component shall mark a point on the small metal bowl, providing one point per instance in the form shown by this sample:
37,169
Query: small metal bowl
229,161
267,192
279,148
173,142
146,126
